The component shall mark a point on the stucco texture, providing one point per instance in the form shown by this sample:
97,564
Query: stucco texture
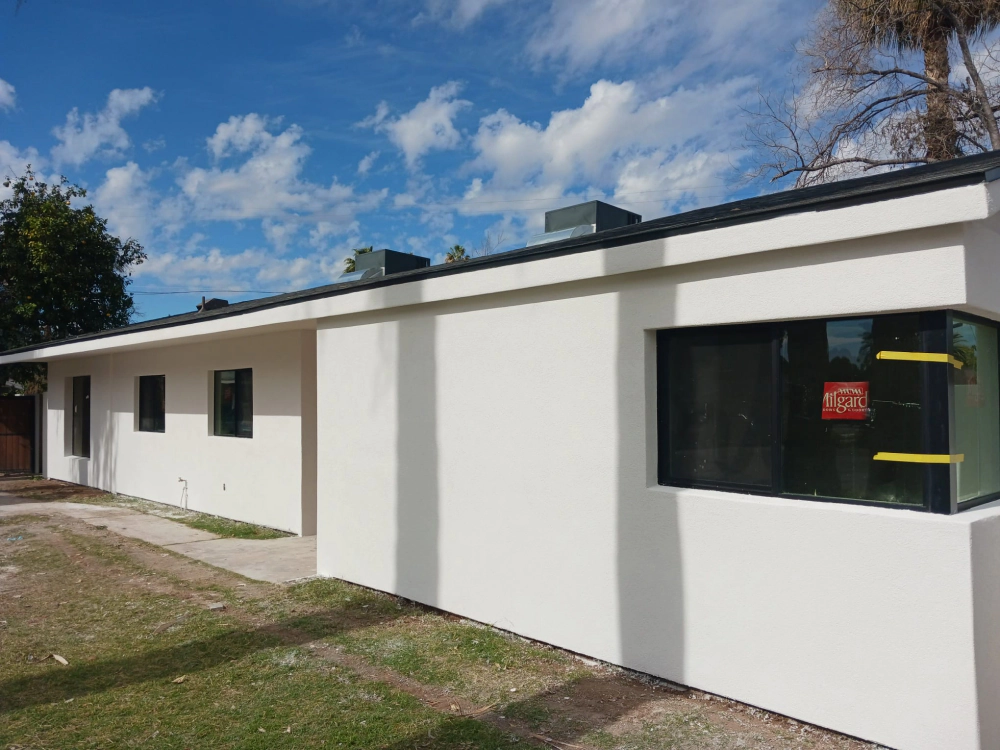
267,479
495,458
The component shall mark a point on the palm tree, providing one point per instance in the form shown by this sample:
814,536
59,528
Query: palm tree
927,26
455,254
349,262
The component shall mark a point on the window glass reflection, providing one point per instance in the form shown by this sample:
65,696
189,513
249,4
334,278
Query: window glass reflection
152,403
841,405
977,409
225,402
720,406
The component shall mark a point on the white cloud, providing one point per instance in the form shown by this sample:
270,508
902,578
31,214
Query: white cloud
260,179
134,208
429,126
373,121
366,163
268,184
577,35
279,234
461,12
126,200
89,135
241,134
13,163
8,97
624,142
354,38
209,268
320,234
581,33
256,269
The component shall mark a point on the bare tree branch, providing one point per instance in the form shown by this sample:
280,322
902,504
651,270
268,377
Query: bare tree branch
981,101
879,91
491,244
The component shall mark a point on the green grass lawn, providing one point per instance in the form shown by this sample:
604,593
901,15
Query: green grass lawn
244,686
321,664
226,527
212,524
39,488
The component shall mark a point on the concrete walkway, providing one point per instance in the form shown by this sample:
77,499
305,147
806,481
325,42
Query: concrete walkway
273,560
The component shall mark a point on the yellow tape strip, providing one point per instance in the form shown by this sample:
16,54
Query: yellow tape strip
921,357
921,458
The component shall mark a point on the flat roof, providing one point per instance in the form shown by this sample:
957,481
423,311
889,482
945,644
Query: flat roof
913,181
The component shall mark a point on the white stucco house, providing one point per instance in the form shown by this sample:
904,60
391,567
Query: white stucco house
754,448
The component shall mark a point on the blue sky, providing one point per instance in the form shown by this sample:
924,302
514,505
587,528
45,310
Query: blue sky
250,145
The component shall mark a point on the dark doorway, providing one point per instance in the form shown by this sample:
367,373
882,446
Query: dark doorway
17,433
81,416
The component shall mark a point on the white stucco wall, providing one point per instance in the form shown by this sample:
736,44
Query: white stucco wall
484,441
494,456
267,479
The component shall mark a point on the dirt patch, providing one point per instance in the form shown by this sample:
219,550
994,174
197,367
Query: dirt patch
42,490
36,489
379,651
155,568
613,706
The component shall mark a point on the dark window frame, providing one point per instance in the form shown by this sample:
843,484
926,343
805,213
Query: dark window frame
663,411
242,397
977,501
80,423
938,423
160,420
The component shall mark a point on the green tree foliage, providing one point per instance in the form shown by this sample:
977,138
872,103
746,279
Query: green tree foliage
62,274
349,262
455,254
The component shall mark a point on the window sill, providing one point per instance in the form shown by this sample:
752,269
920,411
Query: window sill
787,501
985,499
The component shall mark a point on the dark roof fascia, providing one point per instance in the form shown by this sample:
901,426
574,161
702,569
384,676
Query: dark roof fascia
914,181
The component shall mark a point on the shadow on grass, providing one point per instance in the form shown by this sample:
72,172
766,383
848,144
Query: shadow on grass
604,699
459,733
544,718
189,658
599,701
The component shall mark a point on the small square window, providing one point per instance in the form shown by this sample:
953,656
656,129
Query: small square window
234,403
152,403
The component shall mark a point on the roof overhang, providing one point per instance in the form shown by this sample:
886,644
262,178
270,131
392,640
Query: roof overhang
743,228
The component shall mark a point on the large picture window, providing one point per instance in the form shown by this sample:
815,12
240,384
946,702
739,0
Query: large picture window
900,410
234,403
152,403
